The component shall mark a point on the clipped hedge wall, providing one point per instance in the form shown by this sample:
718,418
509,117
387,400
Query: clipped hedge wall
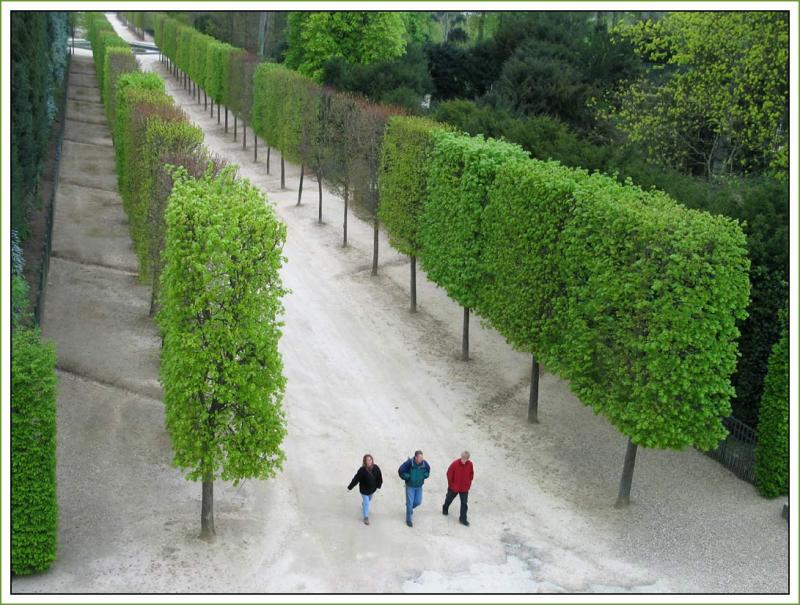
772,451
118,62
403,178
218,55
529,204
654,292
460,176
240,83
34,503
102,37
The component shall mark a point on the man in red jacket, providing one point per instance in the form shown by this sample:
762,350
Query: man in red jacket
459,480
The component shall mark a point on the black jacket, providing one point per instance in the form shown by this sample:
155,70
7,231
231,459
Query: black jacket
368,481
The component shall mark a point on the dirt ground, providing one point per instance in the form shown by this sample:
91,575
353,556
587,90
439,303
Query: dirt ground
364,375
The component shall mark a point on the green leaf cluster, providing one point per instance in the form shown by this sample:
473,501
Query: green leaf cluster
403,178
240,83
218,56
34,500
460,176
772,450
221,298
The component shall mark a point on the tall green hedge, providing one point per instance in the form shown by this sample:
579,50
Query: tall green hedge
118,61
268,103
460,176
34,503
198,56
102,37
654,292
403,178
529,205
218,55
772,450
240,83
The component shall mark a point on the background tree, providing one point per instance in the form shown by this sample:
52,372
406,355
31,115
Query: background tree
720,105
361,37
220,364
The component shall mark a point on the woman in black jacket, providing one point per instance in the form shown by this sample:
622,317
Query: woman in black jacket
369,479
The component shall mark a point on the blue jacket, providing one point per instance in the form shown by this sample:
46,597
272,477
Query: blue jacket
414,474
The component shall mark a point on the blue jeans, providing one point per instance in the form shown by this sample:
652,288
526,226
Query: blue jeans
365,500
413,500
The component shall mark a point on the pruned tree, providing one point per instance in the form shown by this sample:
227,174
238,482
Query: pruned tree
220,364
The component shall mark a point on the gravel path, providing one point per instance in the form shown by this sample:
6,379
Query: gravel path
364,375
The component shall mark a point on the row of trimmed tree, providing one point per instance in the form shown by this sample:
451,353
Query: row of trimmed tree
631,297
211,247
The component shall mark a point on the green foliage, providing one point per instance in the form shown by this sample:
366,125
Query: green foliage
359,37
772,451
221,296
37,66
118,61
281,103
650,319
403,80
460,176
218,58
102,37
720,104
403,179
529,206
34,503
198,57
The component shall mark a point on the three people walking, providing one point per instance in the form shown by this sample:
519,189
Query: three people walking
369,480
459,480
414,471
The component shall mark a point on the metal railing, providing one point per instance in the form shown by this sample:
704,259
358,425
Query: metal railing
44,268
737,451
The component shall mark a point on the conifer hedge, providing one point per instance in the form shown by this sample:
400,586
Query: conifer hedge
772,451
102,37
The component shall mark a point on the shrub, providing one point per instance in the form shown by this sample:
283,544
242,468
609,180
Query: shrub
34,503
772,451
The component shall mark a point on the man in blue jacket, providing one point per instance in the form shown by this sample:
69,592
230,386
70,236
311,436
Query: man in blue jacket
414,472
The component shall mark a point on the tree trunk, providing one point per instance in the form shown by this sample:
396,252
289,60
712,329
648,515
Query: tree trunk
375,245
226,120
244,135
346,195
319,186
283,173
300,189
624,497
533,400
218,116
234,127
212,107
255,148
465,336
269,151
413,284
205,100
207,530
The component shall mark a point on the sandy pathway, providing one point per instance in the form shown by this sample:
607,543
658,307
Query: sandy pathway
364,375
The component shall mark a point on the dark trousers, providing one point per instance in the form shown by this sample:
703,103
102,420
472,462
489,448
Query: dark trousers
448,500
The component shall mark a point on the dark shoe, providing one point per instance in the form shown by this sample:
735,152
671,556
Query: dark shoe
464,522
444,511
366,520
409,523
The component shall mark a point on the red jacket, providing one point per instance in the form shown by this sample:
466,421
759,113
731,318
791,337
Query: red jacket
459,475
